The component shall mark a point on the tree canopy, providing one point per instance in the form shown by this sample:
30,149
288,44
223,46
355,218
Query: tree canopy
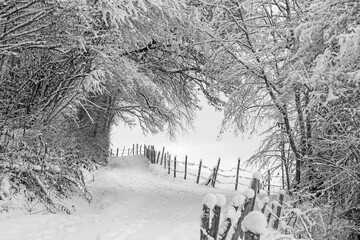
71,70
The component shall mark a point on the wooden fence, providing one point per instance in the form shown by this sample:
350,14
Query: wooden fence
240,217
187,170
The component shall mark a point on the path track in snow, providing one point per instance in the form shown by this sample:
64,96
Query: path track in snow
132,200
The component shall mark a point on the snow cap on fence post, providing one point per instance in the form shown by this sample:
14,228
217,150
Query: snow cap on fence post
220,200
249,193
257,175
238,201
282,192
254,222
209,200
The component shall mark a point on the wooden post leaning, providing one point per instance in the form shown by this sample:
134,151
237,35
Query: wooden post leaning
158,156
199,172
122,153
162,155
248,207
269,182
237,174
213,181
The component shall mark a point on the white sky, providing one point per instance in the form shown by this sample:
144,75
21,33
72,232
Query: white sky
200,143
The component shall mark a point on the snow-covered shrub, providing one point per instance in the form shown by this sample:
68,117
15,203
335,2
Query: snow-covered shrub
43,167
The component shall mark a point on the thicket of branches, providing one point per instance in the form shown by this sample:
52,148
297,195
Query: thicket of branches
71,69
294,66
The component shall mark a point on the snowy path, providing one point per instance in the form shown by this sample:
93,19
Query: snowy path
132,200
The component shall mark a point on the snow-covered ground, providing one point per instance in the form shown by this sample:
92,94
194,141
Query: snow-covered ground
132,200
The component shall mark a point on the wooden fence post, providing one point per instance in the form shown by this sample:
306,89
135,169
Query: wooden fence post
213,181
237,174
175,167
140,152
185,167
133,149
144,150
248,207
165,155
122,153
151,153
205,218
162,156
117,152
158,156
214,230
278,209
137,149
169,161
269,181
154,155
199,172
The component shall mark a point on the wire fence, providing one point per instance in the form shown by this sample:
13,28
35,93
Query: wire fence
199,172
